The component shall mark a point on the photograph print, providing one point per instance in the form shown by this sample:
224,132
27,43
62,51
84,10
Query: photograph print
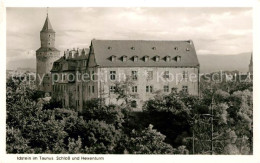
175,81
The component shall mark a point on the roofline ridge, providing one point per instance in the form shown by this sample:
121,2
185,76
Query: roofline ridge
143,40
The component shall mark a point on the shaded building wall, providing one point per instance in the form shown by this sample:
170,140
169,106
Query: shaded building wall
44,62
158,81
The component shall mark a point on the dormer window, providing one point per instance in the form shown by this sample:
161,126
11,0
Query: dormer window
154,48
133,48
176,48
178,58
124,58
146,58
187,49
167,58
113,58
157,58
109,47
135,58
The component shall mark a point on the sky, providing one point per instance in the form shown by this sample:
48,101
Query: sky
221,31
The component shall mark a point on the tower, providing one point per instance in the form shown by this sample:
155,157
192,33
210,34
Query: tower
251,65
45,56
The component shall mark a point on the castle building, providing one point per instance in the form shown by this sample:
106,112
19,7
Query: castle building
151,67
45,56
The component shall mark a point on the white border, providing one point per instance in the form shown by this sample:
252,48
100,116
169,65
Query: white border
138,3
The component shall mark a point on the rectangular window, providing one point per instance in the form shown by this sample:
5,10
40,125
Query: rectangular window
133,104
150,75
112,89
185,89
166,74
93,75
134,89
149,88
112,75
93,89
79,77
166,88
134,75
185,74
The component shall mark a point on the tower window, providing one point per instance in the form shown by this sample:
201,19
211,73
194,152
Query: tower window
49,43
93,89
93,75
49,35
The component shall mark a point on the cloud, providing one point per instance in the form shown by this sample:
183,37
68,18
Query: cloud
213,30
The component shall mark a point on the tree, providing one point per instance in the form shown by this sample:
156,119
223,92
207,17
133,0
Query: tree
100,138
111,114
170,115
148,141
124,92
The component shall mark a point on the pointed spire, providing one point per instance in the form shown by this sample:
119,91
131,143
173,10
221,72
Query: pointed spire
251,61
47,25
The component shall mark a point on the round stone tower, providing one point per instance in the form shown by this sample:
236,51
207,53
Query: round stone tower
45,56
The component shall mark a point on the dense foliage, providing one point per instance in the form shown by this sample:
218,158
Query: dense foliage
170,124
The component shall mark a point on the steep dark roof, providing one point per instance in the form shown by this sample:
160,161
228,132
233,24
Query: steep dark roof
47,26
63,64
104,49
46,49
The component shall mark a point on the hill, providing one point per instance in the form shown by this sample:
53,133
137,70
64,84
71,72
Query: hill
217,62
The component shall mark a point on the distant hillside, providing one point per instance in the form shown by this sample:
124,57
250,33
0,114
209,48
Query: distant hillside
214,62
208,63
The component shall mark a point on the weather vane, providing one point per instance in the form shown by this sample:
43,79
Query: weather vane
47,10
